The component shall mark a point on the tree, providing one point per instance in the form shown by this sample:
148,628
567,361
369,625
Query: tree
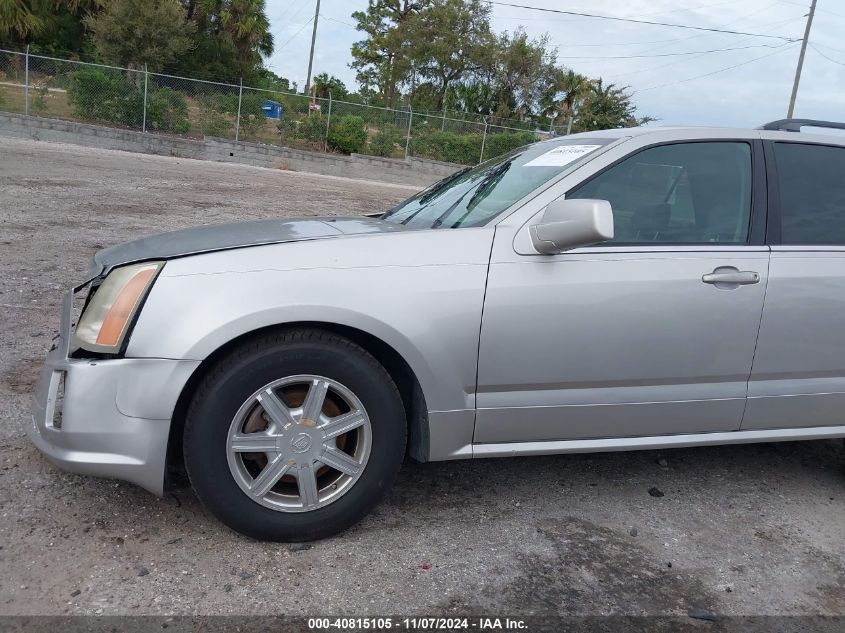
450,40
48,25
383,60
132,33
474,96
606,107
232,38
323,85
564,94
21,20
522,70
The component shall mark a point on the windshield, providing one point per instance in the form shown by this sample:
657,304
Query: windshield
474,196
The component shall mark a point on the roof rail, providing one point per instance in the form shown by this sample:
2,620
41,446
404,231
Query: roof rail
795,125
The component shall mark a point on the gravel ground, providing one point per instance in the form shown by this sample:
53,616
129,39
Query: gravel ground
737,530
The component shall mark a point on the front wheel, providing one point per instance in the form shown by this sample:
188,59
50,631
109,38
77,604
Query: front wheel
294,436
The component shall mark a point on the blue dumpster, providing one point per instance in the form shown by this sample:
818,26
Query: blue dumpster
272,109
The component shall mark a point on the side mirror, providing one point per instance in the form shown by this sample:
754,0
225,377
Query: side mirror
569,224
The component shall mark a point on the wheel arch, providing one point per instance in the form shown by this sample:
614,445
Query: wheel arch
413,399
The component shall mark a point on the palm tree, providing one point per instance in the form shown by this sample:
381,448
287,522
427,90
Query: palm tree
565,92
22,19
246,23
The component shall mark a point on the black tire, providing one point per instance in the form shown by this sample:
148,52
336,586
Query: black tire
256,363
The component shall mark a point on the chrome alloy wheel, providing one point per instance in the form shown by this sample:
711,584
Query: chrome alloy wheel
299,443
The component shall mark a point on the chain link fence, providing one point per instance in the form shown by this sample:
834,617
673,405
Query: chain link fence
134,99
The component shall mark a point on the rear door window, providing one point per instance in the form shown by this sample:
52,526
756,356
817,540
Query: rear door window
812,193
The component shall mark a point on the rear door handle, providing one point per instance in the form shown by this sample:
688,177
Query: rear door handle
730,276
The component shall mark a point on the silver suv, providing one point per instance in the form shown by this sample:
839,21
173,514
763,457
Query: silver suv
616,290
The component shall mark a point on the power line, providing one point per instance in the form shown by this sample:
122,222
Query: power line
830,48
635,21
325,17
292,16
288,12
713,50
804,6
684,39
682,10
715,72
835,61
680,61
292,37
759,28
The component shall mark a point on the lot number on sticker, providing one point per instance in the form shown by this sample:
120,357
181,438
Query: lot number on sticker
561,155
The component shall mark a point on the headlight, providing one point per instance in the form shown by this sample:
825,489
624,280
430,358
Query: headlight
109,313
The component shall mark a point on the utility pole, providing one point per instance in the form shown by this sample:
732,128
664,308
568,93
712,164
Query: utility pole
313,39
801,60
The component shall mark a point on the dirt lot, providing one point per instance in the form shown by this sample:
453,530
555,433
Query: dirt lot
738,530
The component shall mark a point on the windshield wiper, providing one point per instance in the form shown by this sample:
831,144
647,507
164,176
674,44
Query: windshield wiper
490,179
437,187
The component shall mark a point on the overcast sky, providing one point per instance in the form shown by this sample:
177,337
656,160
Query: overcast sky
671,88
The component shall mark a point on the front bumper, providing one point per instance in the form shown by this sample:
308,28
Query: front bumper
107,418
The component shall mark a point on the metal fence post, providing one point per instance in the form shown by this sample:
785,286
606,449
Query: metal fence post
26,83
408,137
483,142
238,117
328,123
146,79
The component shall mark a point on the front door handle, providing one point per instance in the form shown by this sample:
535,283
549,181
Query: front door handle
730,276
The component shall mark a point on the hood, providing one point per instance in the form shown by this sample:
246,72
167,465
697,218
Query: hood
219,237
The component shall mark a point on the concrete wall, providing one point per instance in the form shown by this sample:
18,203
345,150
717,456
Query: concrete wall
415,171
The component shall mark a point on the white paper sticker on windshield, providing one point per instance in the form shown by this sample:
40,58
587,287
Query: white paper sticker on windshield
561,155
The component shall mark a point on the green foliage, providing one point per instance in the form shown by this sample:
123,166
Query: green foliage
131,33
213,122
311,129
522,69
385,141
217,116
323,85
268,80
453,40
499,143
231,38
99,95
347,135
51,27
22,19
466,148
252,114
384,58
218,113
445,56
252,110
452,148
38,102
606,107
167,111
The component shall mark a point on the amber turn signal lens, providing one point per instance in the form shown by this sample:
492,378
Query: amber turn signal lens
108,315
123,306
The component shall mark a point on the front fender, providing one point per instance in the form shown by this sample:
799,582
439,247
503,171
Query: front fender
429,314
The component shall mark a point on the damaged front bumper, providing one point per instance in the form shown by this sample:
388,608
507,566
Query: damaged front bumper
106,417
